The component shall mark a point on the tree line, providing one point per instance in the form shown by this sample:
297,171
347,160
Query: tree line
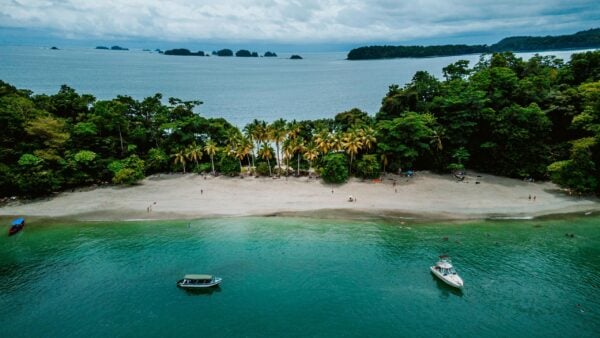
538,119
580,40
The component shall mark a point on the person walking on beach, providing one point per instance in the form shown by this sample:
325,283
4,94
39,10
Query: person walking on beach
530,197
201,191
534,198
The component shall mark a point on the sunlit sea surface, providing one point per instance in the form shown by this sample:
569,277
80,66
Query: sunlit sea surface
301,277
238,89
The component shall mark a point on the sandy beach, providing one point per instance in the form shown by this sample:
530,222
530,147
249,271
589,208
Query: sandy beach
178,196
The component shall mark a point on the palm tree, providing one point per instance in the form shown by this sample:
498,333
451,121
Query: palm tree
265,153
239,153
211,149
311,152
336,142
352,144
250,131
298,148
278,133
367,137
321,140
194,153
294,129
247,147
179,157
287,154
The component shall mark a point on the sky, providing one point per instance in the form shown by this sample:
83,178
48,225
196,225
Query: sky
338,23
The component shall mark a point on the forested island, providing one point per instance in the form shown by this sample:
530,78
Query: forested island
222,52
246,53
580,40
183,52
112,48
534,119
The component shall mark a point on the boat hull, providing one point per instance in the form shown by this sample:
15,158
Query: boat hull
14,230
452,280
213,283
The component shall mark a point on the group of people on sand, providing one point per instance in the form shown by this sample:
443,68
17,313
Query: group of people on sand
534,197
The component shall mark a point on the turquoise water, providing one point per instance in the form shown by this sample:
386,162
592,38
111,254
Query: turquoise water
301,277
238,89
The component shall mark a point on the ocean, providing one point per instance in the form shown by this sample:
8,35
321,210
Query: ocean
301,277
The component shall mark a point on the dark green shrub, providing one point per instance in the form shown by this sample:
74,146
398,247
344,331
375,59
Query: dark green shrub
202,168
127,176
156,161
229,166
128,170
335,168
262,169
368,167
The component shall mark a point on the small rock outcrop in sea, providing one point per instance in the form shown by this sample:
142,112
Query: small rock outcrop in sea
270,55
295,57
54,48
118,48
183,52
101,47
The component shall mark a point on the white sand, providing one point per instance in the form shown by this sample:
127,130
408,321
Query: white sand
180,196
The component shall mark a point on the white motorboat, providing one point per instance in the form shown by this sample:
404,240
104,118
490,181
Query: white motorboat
444,270
198,281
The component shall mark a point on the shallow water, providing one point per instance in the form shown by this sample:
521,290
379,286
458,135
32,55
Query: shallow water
301,277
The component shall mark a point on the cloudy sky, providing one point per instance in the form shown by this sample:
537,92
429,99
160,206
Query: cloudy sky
294,21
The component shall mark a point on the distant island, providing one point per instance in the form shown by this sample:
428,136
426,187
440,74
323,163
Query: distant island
245,53
112,48
183,52
295,57
579,40
54,48
223,52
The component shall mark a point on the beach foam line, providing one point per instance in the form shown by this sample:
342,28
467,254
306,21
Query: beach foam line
511,217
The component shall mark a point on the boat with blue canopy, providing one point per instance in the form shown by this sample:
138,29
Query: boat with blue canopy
16,226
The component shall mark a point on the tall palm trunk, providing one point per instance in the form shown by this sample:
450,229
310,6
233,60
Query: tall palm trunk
269,164
298,166
212,161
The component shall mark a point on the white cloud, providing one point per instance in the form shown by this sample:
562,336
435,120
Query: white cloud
294,20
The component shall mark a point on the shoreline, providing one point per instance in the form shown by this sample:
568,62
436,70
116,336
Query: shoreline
425,196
